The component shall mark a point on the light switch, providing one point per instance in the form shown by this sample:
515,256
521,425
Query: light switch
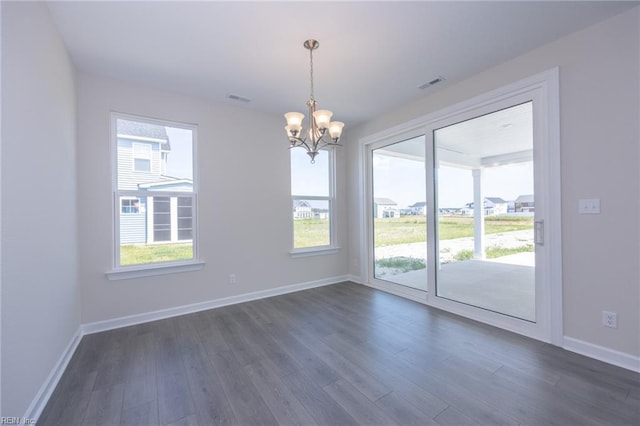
589,206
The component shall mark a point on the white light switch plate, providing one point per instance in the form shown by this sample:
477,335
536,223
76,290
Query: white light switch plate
589,206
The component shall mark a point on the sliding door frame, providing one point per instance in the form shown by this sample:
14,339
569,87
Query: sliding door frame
400,290
544,87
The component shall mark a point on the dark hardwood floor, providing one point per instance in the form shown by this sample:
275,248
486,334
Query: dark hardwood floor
337,355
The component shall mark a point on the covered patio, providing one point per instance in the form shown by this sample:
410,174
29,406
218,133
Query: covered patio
499,143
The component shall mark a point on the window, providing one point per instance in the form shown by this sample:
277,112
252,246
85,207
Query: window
312,195
130,206
142,156
155,213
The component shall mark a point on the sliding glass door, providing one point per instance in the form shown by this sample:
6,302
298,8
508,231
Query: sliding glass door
486,206
463,209
399,213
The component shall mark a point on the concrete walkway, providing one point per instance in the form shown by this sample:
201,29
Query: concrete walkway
449,248
505,285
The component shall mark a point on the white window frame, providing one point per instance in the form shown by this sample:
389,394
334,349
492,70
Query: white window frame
129,199
332,247
119,272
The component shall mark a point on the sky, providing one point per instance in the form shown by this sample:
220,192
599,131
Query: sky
307,178
503,132
403,181
180,159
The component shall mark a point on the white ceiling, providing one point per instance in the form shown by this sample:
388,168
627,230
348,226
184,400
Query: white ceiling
372,55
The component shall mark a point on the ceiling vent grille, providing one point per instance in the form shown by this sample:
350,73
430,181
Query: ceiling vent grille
437,80
238,98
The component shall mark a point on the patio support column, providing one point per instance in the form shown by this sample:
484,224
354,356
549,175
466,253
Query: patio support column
149,227
478,215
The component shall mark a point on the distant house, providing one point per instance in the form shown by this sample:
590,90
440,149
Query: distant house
385,208
143,150
419,208
495,206
525,204
492,206
320,213
302,210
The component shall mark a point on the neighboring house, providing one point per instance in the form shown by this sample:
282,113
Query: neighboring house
320,213
385,208
143,150
525,204
302,210
492,206
419,208
495,206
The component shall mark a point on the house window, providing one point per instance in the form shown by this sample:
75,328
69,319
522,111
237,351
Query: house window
161,219
156,210
142,154
130,206
185,218
312,196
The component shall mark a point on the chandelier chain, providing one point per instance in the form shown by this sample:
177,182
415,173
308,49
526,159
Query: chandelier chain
311,73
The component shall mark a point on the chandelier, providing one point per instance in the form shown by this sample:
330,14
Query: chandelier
319,121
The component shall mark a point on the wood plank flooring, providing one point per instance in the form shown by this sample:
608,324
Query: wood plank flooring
337,355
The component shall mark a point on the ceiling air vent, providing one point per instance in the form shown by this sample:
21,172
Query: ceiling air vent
438,79
238,98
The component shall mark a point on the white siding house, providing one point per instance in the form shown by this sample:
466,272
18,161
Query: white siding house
302,210
385,208
419,208
143,150
493,206
525,204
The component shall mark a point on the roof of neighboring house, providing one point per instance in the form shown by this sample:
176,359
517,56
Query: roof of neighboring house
385,202
301,203
496,200
137,129
167,182
525,199
419,204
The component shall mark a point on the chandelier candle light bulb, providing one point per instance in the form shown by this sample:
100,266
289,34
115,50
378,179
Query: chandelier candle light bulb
319,121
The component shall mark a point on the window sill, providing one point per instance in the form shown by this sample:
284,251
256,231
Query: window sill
314,251
140,271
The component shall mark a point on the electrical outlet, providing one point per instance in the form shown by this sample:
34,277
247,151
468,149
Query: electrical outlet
232,279
610,319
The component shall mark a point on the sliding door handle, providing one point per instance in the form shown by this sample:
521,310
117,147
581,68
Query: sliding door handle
538,231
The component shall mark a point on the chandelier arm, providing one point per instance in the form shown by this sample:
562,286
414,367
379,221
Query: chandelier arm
300,143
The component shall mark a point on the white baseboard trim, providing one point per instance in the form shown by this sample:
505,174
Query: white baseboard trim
42,397
98,326
610,356
354,278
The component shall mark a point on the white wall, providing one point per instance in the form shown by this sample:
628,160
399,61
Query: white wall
245,212
599,87
40,298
